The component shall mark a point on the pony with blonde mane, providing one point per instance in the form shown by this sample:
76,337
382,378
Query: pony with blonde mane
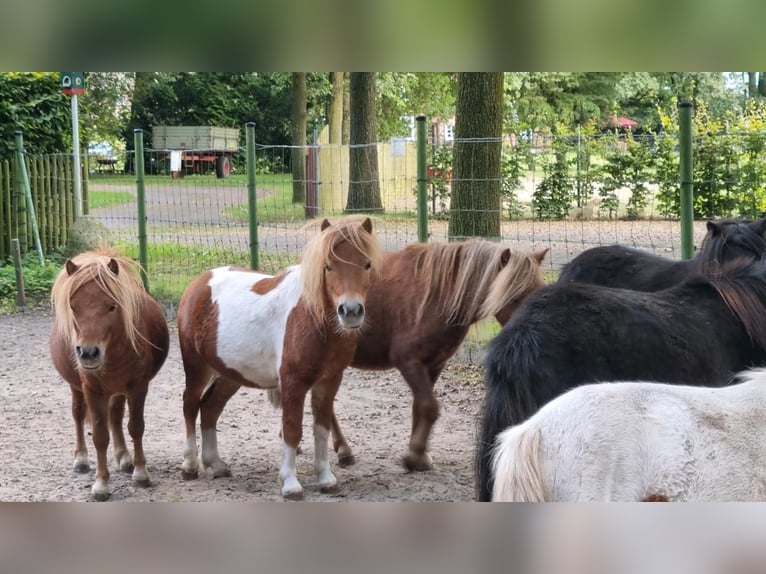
290,333
420,312
638,441
109,339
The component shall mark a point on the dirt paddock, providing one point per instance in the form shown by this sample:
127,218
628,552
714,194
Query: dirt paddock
37,437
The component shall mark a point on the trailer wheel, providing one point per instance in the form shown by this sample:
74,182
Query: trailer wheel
223,167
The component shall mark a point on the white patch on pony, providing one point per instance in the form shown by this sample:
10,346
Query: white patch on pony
629,441
288,473
251,327
191,462
325,477
210,457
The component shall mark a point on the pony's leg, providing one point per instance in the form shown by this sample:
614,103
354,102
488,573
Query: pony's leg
216,397
116,415
340,444
98,405
79,412
425,411
322,398
197,376
136,403
293,398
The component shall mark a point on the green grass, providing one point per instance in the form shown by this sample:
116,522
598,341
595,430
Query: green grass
97,199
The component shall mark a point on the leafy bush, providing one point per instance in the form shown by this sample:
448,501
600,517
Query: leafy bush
38,280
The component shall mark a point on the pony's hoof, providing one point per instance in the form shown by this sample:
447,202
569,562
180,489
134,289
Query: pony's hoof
418,463
82,468
190,474
222,473
293,495
127,467
101,496
142,482
346,460
298,450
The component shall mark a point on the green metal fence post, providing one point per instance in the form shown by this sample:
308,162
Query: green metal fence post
687,188
251,198
21,162
138,140
420,122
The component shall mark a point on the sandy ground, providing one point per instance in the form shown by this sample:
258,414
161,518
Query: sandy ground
37,438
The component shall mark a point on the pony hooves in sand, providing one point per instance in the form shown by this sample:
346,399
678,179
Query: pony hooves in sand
127,467
142,482
418,463
346,460
190,475
101,496
82,468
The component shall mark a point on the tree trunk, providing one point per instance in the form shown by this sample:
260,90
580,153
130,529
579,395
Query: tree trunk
335,109
762,83
298,152
364,187
752,84
475,201
346,137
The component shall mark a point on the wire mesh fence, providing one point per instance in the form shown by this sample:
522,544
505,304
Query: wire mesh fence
567,194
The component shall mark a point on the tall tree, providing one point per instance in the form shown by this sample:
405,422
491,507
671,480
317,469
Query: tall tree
298,151
346,137
475,202
364,185
335,108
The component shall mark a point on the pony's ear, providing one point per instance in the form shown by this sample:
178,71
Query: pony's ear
505,257
713,227
540,255
113,266
325,224
71,267
759,226
367,225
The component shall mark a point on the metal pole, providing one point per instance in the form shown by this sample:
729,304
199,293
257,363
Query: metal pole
420,122
76,146
251,197
138,140
28,193
687,188
21,300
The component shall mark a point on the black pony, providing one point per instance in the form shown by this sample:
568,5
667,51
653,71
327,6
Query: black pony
699,332
620,266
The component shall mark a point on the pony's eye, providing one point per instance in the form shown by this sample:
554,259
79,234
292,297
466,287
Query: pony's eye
327,267
368,266
112,308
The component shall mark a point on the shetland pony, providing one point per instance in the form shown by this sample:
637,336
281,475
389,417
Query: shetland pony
421,310
639,441
109,339
292,332
564,335
619,266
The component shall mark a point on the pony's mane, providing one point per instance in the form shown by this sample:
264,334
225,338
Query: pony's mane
466,281
321,250
742,286
125,288
737,231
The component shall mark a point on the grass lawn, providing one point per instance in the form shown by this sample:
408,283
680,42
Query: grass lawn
97,199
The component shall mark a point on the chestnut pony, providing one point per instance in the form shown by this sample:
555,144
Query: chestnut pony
109,339
420,312
289,333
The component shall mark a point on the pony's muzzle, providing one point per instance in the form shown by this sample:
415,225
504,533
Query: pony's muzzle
89,356
351,314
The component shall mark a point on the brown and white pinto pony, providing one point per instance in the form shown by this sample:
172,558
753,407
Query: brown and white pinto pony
109,339
420,312
290,333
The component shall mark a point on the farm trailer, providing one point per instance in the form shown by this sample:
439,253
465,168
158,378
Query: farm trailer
191,148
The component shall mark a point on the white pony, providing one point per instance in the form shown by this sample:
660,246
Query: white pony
639,441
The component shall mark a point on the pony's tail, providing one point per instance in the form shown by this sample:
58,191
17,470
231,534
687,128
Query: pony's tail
510,397
516,466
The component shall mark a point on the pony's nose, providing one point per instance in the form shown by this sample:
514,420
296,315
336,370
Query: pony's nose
350,311
87,353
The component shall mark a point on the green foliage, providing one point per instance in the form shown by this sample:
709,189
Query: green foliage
512,168
439,180
98,199
553,196
34,103
38,280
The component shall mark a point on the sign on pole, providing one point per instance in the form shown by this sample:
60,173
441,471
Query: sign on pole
73,84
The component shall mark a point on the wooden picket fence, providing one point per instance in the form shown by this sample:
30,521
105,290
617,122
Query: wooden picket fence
52,186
